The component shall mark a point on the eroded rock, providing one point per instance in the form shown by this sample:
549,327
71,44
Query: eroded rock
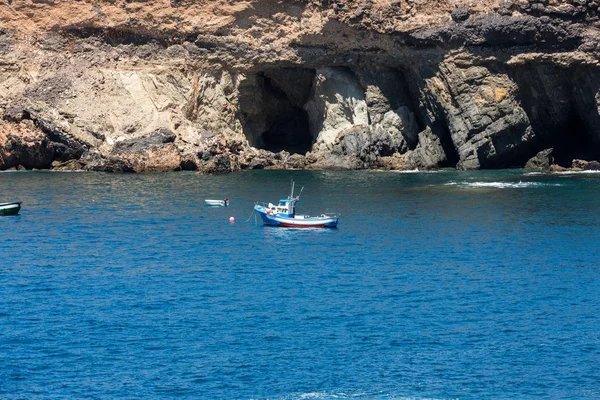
429,153
24,145
541,161
153,153
308,84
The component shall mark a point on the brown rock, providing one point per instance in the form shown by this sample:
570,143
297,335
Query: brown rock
296,161
21,145
153,153
395,162
586,165
479,78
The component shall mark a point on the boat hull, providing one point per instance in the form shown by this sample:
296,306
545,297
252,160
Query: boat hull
297,221
216,203
10,208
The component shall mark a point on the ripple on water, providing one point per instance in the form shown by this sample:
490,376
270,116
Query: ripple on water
434,286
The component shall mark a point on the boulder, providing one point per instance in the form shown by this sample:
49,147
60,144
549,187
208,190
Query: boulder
71,165
396,161
429,153
296,161
219,164
155,139
541,161
585,165
460,14
155,159
153,153
23,145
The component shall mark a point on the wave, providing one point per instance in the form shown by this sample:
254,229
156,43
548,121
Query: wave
501,185
588,171
354,396
415,171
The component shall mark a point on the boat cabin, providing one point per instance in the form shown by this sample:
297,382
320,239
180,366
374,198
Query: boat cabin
287,207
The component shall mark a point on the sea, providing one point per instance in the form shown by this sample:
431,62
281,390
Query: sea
444,285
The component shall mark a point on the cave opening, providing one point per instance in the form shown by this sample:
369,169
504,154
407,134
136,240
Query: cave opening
573,142
272,110
288,131
559,104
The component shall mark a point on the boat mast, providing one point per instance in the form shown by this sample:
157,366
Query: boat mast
292,195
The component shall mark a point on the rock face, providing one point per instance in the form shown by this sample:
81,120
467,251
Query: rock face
218,86
542,160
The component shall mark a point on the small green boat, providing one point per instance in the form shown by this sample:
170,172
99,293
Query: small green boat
10,208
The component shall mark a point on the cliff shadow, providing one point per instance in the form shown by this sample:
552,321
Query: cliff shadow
429,110
271,109
561,106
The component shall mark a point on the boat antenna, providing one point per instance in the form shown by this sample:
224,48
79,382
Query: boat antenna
300,192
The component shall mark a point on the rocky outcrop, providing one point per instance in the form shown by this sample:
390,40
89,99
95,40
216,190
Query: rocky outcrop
219,86
429,153
34,141
21,145
541,161
153,153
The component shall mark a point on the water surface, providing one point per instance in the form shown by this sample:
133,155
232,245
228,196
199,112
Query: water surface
434,286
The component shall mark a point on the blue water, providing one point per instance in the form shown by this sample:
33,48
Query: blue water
434,286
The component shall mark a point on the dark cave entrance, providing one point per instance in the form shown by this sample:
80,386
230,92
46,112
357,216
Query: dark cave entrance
573,142
288,131
272,109
561,107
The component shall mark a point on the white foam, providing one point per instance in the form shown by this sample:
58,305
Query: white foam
500,185
415,171
533,173
358,396
576,172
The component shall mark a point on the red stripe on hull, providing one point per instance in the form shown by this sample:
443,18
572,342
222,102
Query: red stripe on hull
283,224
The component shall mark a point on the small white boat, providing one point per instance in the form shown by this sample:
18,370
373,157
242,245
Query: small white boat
284,215
217,203
10,208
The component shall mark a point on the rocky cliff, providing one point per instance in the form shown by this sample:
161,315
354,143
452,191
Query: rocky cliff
218,86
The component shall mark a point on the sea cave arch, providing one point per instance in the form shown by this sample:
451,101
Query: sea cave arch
272,109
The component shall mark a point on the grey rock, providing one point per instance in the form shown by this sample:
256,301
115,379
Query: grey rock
460,14
338,103
155,139
360,147
541,161
429,153
66,146
296,161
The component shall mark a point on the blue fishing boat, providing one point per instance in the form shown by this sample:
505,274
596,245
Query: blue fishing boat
284,214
